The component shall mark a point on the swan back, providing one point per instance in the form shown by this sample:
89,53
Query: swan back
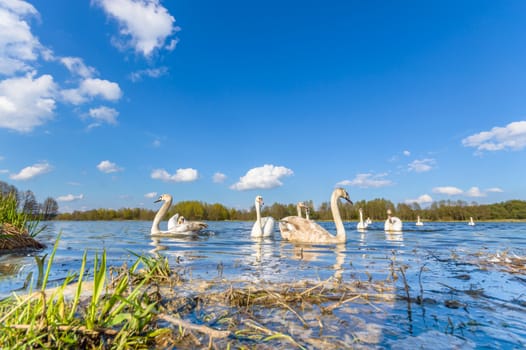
392,224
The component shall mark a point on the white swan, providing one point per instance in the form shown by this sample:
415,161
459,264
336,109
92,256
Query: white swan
361,225
296,229
368,221
263,227
392,224
418,222
187,227
471,222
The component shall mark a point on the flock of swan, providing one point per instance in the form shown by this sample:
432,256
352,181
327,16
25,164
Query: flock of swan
296,228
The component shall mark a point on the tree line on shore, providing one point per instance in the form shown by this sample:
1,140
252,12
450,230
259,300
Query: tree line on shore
374,209
445,210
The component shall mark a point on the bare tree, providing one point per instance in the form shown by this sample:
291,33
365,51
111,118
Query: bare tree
49,208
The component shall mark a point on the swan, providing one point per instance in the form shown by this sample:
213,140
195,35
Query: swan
300,206
361,225
471,222
174,225
418,222
300,230
368,221
263,227
392,224
307,212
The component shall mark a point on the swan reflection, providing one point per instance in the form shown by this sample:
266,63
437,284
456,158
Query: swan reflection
395,238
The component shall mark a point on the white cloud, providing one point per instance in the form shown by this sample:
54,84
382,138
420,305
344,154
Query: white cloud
70,198
423,199
26,103
27,98
108,167
103,114
421,165
32,171
144,25
151,73
367,181
264,177
407,153
90,88
151,195
76,66
449,190
219,177
494,190
18,47
181,175
475,192
512,136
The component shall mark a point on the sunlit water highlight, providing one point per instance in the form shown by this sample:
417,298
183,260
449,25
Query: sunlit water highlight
469,300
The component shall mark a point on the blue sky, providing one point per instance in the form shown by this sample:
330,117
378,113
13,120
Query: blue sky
109,103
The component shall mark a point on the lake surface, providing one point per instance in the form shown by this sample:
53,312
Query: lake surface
471,292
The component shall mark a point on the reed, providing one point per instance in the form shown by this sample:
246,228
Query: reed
22,222
118,317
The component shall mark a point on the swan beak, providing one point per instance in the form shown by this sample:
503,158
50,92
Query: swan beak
348,200
158,200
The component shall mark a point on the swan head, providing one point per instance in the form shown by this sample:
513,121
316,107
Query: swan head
163,197
389,212
360,210
259,200
302,205
181,220
343,194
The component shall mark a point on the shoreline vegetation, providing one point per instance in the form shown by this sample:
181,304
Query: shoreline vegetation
443,211
17,229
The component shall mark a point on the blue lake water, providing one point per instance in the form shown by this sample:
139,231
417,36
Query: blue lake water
471,296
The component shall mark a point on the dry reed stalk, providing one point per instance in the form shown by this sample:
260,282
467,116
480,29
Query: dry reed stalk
63,328
214,333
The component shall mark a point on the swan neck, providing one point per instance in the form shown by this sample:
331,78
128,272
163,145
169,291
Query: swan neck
258,214
299,210
361,216
340,230
159,216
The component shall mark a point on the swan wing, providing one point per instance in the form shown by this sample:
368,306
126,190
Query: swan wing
296,229
268,226
393,224
188,227
257,231
172,222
